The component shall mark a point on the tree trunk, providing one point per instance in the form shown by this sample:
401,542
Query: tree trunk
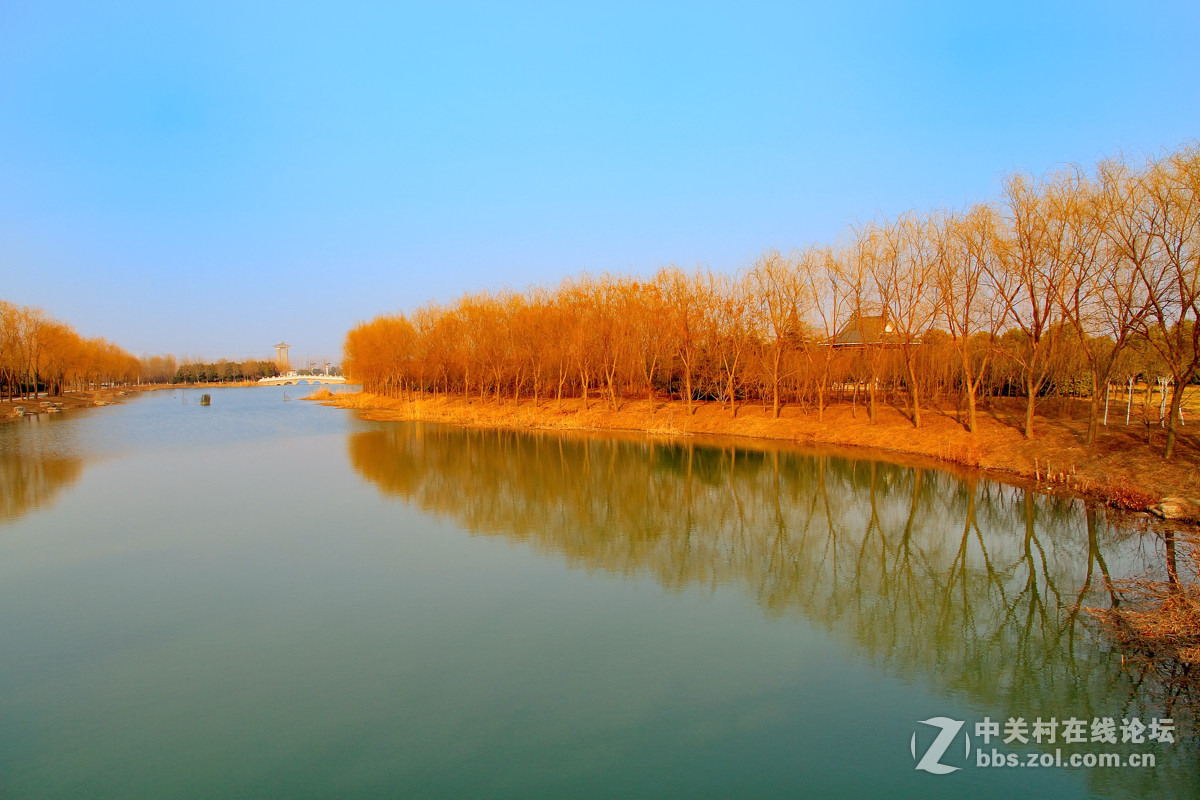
913,391
1173,415
650,382
821,397
1094,410
972,424
1030,399
1129,401
732,397
775,384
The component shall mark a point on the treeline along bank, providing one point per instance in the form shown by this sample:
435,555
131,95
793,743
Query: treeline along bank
41,354
1069,284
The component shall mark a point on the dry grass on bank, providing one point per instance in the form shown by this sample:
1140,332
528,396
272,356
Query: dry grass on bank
1120,467
1158,624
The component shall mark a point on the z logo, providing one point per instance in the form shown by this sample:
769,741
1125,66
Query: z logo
930,761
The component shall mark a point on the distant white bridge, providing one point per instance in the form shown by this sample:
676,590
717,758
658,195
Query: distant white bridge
293,378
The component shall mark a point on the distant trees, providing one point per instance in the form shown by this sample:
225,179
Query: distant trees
1067,284
222,371
42,354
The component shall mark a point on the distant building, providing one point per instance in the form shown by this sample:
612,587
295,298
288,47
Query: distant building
865,330
281,356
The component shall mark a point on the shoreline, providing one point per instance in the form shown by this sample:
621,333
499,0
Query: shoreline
72,400
1120,469
67,401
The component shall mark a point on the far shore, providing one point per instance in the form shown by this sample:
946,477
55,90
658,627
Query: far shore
1120,468
87,398
90,398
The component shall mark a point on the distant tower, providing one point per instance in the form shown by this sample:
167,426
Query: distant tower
281,358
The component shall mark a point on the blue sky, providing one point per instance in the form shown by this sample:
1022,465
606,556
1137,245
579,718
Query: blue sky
208,178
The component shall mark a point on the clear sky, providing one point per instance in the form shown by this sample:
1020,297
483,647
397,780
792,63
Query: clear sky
206,178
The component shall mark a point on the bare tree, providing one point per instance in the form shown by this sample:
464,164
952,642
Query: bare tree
828,291
778,294
1108,300
1173,278
1028,280
732,334
650,339
688,300
905,276
966,257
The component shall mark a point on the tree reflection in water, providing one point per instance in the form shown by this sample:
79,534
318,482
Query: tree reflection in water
33,473
969,583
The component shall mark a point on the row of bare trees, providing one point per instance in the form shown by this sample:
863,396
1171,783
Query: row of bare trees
39,353
1067,284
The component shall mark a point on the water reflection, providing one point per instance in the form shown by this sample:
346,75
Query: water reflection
972,584
33,470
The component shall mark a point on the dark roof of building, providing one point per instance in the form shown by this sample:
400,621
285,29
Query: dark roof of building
867,329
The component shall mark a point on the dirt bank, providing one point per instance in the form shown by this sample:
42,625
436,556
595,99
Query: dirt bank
64,402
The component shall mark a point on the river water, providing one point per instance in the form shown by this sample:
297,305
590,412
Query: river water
274,599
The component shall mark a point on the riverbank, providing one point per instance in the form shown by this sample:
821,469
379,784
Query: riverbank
67,401
1120,468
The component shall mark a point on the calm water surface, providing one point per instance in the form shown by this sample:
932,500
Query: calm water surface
273,599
